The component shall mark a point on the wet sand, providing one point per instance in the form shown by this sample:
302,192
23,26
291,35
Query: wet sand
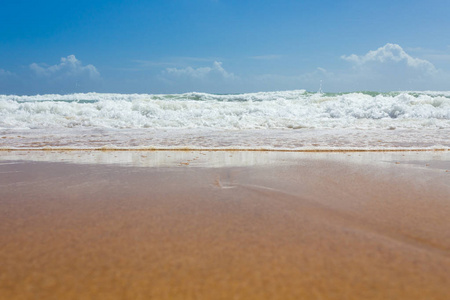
174,225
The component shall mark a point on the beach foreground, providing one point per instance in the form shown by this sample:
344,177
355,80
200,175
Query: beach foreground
224,225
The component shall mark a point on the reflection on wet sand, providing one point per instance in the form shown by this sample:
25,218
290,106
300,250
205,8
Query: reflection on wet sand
226,225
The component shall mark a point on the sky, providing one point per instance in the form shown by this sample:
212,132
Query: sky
223,46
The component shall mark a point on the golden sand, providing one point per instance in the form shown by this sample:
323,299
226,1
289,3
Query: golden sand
296,229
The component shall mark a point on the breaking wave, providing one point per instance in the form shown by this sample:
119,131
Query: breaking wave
265,110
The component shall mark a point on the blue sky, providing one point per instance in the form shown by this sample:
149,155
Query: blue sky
223,46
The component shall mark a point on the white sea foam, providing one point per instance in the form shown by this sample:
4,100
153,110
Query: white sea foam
208,120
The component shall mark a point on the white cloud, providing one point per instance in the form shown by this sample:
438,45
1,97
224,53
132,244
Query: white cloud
388,54
203,73
68,76
214,79
69,67
388,68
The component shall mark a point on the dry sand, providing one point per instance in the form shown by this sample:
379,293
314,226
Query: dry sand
174,225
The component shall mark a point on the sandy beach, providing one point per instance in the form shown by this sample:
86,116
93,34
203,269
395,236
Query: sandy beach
224,225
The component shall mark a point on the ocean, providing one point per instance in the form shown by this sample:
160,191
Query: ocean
286,120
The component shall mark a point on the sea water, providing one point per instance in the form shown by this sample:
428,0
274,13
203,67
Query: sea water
285,120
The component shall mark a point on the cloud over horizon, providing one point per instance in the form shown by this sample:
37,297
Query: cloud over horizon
391,68
391,53
214,72
211,79
68,76
388,68
69,67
